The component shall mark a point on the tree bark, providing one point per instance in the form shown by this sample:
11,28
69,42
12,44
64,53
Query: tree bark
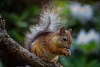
7,43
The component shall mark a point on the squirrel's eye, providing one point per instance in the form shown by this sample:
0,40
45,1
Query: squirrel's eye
64,39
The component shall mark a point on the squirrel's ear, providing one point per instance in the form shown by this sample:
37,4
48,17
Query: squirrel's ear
62,30
70,30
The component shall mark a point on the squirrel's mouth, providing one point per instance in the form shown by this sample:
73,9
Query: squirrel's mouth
64,46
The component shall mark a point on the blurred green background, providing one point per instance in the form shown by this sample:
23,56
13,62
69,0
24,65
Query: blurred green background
82,16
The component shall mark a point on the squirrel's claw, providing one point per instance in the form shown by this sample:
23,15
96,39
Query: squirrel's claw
67,53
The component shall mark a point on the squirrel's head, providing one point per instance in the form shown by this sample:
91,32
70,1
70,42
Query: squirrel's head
63,38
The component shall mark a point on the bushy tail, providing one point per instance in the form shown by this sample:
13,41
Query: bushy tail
49,22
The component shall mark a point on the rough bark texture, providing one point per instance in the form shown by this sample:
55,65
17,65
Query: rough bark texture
7,43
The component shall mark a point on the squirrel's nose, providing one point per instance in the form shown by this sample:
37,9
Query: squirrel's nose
68,47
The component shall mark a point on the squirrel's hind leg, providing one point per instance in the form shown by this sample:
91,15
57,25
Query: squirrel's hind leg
36,49
55,59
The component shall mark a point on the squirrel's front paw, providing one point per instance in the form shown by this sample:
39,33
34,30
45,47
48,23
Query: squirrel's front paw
67,53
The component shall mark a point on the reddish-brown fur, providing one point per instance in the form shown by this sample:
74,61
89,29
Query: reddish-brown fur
51,44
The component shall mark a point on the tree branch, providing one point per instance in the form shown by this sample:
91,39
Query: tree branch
13,47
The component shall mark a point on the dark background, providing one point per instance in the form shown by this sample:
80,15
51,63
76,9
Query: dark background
20,14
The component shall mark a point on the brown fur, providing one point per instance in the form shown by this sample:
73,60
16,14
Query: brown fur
51,44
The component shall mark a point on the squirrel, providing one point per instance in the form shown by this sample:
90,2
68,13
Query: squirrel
46,40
